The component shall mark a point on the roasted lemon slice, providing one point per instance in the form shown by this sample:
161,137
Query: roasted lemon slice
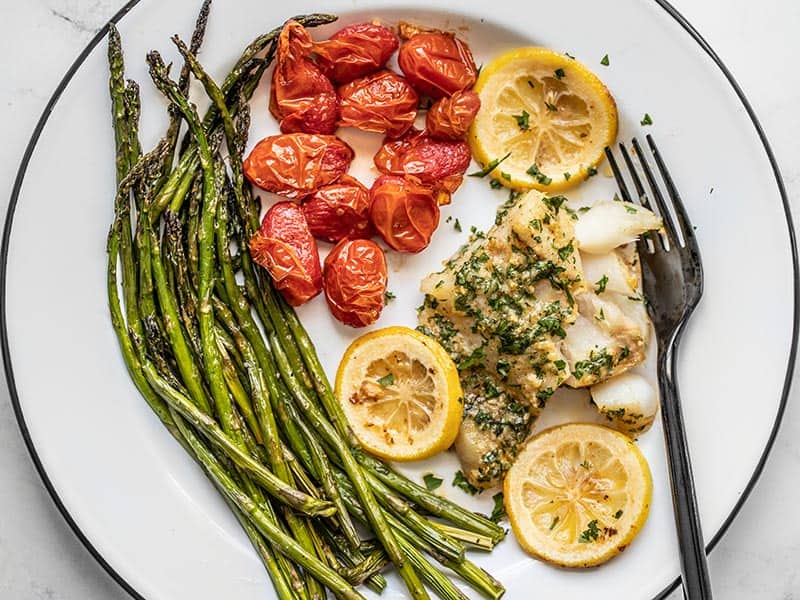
545,116
578,494
401,394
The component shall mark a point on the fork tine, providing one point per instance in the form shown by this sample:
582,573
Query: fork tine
677,203
623,188
666,216
642,199
637,182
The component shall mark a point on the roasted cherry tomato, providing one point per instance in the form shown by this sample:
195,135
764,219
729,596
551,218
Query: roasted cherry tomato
301,97
355,282
450,118
339,210
436,163
404,212
295,165
382,102
355,51
285,247
437,63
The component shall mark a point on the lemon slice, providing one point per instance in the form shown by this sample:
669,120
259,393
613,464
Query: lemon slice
548,113
401,394
578,494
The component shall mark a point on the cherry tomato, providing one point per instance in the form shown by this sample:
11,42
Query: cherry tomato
404,212
339,210
382,102
301,97
437,63
295,165
437,163
285,247
355,51
355,282
450,118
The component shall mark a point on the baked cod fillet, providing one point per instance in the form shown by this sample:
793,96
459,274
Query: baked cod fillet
501,308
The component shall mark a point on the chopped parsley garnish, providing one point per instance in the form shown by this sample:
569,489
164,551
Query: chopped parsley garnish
601,316
499,510
600,285
386,380
554,523
646,120
530,83
513,195
554,202
461,482
534,172
591,171
623,354
585,464
503,367
388,296
590,534
631,210
495,184
473,359
565,251
432,482
506,176
618,514
457,226
522,120
567,176
594,365
493,164
550,106
559,73
569,55
604,61
439,284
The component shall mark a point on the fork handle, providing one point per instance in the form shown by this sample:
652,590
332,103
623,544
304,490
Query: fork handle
694,568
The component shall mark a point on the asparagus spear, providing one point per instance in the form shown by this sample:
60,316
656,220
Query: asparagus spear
279,540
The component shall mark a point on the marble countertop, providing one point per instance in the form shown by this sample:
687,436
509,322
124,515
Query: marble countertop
40,557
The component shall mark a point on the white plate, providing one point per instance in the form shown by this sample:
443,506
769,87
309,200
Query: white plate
144,508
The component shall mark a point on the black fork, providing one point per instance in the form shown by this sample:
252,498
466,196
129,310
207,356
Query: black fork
672,276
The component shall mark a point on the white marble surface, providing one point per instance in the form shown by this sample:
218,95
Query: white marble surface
40,558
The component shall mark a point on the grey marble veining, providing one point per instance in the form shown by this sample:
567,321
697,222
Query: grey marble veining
40,558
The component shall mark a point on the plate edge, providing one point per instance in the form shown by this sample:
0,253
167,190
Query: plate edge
101,34
7,226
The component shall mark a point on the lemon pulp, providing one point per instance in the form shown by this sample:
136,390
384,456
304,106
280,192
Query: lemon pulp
548,114
400,393
578,494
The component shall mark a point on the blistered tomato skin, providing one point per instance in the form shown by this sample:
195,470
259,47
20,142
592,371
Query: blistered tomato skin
436,163
382,102
296,165
355,51
355,282
404,212
285,247
450,118
339,210
301,97
437,64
